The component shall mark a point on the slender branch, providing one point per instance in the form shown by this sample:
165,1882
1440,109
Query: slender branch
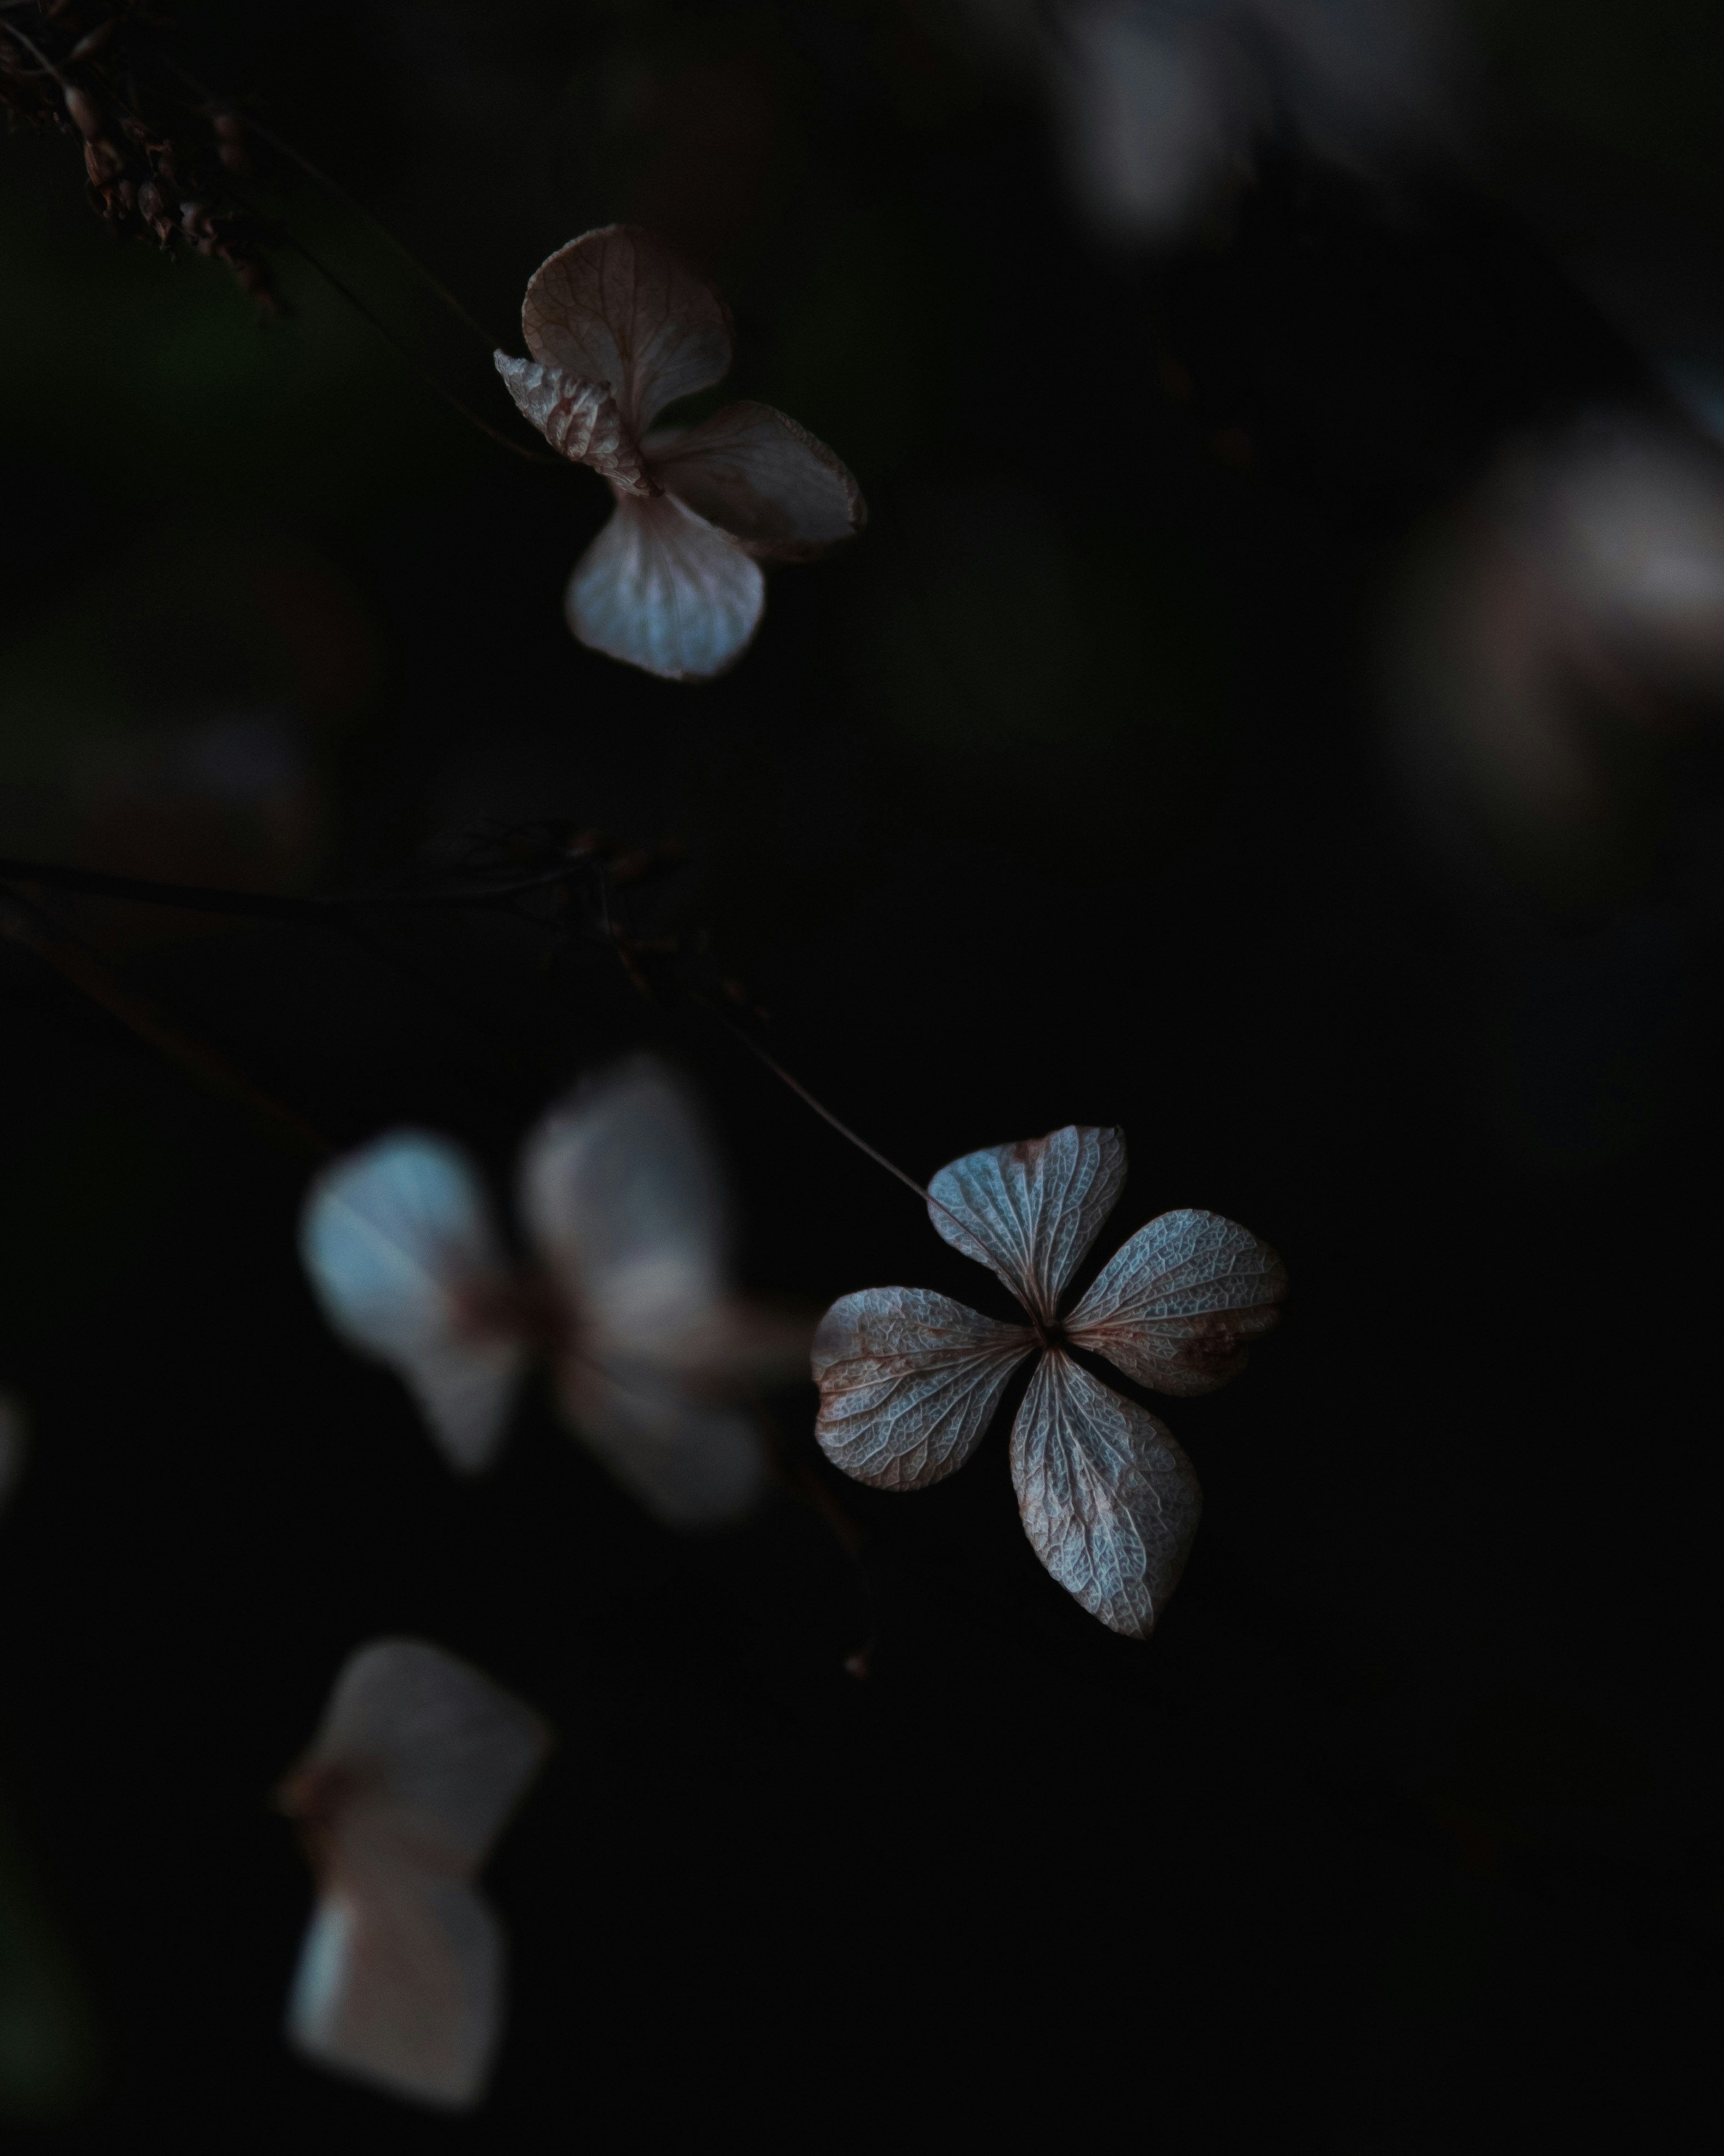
428,277
25,924
825,1113
326,912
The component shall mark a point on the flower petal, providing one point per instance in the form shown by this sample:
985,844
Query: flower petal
616,307
398,1241
908,1382
1177,1307
1109,1501
692,1464
768,482
419,1761
579,420
1030,1211
662,589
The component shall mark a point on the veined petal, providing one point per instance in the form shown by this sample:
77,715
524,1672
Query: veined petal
1030,1211
764,479
579,420
908,1382
1110,1502
662,589
616,307
1177,1305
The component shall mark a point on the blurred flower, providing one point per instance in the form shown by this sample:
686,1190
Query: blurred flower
618,329
419,1761
628,1300
1161,101
1556,641
910,1380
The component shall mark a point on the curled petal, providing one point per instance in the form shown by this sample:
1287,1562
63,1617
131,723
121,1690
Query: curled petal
400,1246
1030,1211
660,588
579,420
616,307
764,479
1110,1502
1178,1307
908,1382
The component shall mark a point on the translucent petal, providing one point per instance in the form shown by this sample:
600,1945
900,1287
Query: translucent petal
616,307
663,590
581,420
402,1252
419,1761
1030,1211
691,1462
399,1983
768,482
908,1382
621,1194
428,1744
1178,1307
1110,1502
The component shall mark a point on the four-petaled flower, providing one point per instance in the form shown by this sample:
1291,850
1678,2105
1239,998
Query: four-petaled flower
910,1380
618,329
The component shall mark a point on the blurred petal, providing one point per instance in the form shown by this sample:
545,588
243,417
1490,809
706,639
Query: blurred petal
621,1193
661,588
579,420
691,1464
14,1426
399,1244
1030,1211
616,306
419,1760
764,479
1110,1502
399,1983
908,1382
1177,1305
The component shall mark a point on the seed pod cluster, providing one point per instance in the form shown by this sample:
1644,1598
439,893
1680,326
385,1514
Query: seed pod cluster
157,161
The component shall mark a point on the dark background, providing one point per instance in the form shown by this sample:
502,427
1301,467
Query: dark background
1065,794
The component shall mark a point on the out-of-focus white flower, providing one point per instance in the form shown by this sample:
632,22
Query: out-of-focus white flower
1160,102
618,329
1556,636
626,1299
419,1762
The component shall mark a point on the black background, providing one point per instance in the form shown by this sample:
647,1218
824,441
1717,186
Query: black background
1064,795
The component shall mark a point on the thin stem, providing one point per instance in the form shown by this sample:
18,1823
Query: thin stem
27,925
407,352
431,280
267,906
826,1115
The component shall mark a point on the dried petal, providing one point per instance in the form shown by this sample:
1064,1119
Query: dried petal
1109,1501
398,1241
616,306
419,1761
579,420
1030,1211
908,1382
766,480
1177,1305
662,589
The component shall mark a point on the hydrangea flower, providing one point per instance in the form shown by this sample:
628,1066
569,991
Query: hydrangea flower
910,1380
618,329
420,1760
